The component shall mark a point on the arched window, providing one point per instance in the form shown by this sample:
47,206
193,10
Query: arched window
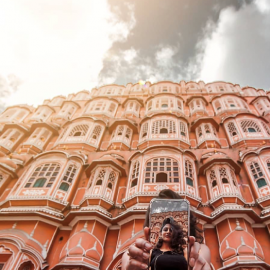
266,128
259,178
250,126
96,132
110,186
206,132
39,137
79,131
144,131
10,138
133,107
190,177
40,182
111,182
232,129
189,173
68,177
217,106
183,130
100,177
43,176
13,114
261,182
163,126
135,174
112,108
213,183
161,177
156,169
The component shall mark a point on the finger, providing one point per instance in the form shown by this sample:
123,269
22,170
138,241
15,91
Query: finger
200,263
146,231
137,253
143,244
191,240
135,264
194,253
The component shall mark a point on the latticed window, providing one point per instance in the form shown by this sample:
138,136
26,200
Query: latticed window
120,130
183,130
223,175
112,107
179,105
233,177
162,170
144,131
1,179
100,177
67,110
111,180
200,131
189,173
79,131
218,105
163,126
266,128
96,132
232,129
250,126
213,178
257,174
135,174
44,175
149,107
68,177
128,133
10,137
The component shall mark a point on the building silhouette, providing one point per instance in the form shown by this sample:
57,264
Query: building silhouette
77,173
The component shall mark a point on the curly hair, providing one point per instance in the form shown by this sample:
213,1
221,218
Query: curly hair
177,242
193,229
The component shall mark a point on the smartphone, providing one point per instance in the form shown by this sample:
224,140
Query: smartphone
176,209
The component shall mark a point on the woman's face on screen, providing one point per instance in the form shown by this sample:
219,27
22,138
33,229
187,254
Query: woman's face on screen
167,233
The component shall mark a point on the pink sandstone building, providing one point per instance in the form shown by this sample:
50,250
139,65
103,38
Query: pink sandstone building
77,173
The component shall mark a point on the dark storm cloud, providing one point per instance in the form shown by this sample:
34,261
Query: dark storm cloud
164,42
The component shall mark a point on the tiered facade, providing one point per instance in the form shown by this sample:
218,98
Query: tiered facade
77,173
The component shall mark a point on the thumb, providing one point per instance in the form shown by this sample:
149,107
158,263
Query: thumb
191,241
146,231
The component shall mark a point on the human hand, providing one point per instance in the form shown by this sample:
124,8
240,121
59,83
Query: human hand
199,255
139,253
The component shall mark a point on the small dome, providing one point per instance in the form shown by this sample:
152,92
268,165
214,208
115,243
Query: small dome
83,244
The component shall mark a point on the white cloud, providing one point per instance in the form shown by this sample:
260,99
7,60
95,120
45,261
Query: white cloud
236,48
56,47
130,55
164,56
263,5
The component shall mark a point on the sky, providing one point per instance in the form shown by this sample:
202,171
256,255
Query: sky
59,47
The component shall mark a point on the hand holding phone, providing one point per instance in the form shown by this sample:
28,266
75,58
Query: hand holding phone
169,231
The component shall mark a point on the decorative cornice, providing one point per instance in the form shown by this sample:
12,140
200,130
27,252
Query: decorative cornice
32,209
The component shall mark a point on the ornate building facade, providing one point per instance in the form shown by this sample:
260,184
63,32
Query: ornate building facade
77,173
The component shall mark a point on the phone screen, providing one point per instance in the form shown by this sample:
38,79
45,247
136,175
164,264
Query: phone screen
160,209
